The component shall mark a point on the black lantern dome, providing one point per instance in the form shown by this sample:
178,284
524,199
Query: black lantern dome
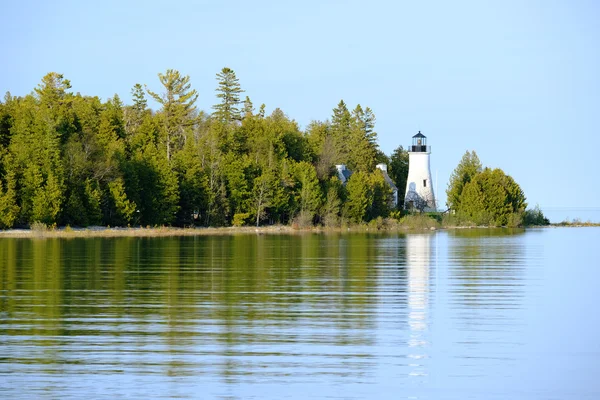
419,144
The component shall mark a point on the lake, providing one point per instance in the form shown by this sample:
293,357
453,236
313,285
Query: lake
458,314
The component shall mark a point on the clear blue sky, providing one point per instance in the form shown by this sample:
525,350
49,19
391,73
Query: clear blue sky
517,81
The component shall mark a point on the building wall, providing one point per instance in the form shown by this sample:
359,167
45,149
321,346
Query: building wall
416,189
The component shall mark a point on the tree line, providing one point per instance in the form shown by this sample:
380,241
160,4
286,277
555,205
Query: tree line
70,159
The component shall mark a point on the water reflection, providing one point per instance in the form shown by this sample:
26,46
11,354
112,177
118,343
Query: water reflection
419,259
329,316
228,306
487,266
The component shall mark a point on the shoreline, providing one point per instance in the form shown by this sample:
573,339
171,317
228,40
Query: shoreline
100,231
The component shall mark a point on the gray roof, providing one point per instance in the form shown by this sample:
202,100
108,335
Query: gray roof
419,135
346,172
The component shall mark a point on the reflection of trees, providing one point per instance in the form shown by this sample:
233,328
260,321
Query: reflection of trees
487,266
237,301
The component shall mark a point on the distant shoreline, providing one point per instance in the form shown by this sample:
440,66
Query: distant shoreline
99,231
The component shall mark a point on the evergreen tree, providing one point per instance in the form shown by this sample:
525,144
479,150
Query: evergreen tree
177,107
492,198
35,162
228,92
6,120
341,124
248,108
9,209
399,171
56,104
359,197
362,150
307,191
381,195
139,98
468,167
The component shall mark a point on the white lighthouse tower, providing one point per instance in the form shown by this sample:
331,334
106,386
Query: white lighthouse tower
419,185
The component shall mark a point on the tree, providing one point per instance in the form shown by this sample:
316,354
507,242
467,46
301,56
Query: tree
341,122
322,145
55,104
262,194
399,171
228,91
330,212
468,167
362,141
9,209
492,198
308,191
177,107
359,197
248,110
380,194
6,120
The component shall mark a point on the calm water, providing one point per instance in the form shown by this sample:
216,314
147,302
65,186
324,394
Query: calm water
459,315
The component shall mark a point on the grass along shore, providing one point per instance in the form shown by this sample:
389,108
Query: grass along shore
416,222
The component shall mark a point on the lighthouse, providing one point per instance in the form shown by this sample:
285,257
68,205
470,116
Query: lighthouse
419,185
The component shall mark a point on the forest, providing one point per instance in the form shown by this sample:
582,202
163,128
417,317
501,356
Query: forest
71,159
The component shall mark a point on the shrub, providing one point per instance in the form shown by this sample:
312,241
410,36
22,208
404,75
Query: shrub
304,219
240,219
418,221
535,217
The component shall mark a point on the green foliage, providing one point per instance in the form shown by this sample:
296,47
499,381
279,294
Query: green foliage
47,200
368,197
77,160
330,211
122,209
492,198
419,221
228,92
468,167
263,194
362,141
380,196
9,209
240,219
535,217
359,197
178,108
307,190
398,171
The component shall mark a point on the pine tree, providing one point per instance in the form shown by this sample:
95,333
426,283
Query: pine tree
248,108
139,98
177,107
228,92
362,150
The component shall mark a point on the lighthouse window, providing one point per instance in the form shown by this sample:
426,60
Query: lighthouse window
424,182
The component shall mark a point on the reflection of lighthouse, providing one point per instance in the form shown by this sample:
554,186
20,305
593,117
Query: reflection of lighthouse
418,254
